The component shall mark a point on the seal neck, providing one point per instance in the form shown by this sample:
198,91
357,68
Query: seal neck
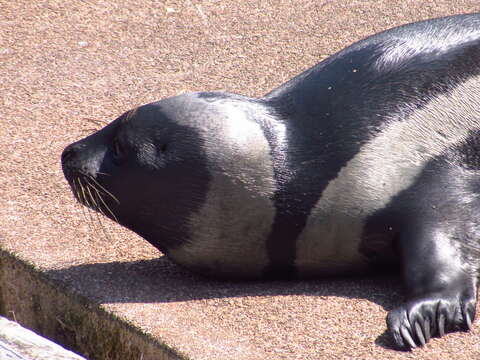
304,95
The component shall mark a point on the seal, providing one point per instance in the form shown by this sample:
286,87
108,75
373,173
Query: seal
369,159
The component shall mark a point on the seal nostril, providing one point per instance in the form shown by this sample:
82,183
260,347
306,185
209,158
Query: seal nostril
68,153
71,152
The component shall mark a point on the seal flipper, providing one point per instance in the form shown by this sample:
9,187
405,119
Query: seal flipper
441,288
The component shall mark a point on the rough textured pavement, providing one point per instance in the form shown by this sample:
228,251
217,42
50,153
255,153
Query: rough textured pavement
68,67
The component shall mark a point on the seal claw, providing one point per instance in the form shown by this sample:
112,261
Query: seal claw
441,325
426,330
419,333
468,320
408,338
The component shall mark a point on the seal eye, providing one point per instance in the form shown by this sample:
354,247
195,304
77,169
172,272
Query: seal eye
117,150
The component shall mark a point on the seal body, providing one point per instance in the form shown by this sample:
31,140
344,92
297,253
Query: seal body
370,158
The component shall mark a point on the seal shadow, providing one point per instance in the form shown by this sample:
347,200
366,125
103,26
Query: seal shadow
159,280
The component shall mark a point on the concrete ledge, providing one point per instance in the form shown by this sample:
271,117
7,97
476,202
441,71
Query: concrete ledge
48,308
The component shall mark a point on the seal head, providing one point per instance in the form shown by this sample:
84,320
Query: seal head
179,172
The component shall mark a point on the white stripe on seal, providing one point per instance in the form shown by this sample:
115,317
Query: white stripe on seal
385,166
229,231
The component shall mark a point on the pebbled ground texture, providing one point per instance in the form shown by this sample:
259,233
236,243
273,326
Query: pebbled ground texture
66,68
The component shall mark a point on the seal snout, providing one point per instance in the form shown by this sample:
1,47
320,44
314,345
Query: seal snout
69,153
81,159
71,160
80,165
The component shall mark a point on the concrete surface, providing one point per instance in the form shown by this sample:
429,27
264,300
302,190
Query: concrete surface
66,68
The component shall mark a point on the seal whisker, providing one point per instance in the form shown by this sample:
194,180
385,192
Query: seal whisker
97,122
76,191
77,195
79,191
93,200
99,197
84,195
86,202
96,206
99,220
103,189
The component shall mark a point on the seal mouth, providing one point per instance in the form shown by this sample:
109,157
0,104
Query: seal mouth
89,192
